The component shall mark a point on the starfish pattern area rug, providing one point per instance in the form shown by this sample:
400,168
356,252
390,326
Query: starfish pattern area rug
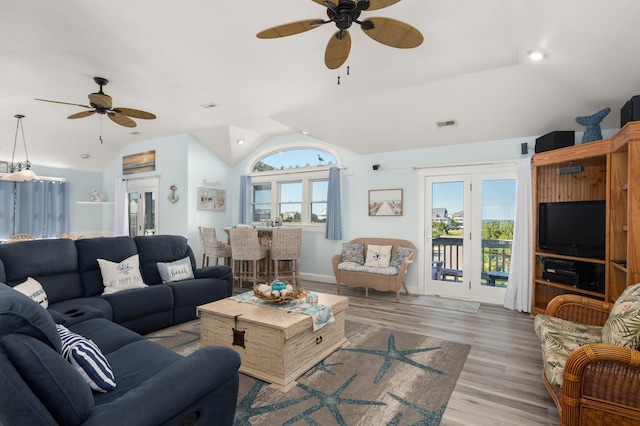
380,377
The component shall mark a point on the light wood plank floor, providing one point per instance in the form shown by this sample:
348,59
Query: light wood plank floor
500,383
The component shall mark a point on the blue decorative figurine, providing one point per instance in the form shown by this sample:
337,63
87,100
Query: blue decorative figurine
592,132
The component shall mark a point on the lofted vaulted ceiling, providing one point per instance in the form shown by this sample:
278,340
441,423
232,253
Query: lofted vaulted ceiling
170,58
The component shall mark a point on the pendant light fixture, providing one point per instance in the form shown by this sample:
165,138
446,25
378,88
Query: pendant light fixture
20,171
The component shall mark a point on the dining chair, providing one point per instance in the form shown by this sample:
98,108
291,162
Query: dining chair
285,254
20,237
250,260
211,247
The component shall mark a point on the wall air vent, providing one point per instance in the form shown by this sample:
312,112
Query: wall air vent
448,123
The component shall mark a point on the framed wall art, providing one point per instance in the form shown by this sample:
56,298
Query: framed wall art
212,199
138,163
4,167
385,202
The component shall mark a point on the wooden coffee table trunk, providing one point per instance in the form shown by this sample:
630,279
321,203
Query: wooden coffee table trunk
276,346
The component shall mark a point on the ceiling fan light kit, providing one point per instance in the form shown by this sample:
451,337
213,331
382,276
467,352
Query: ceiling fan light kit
101,103
344,13
20,171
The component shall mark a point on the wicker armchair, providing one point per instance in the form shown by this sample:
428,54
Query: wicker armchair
600,382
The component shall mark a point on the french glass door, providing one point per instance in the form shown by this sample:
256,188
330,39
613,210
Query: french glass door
447,255
142,206
468,231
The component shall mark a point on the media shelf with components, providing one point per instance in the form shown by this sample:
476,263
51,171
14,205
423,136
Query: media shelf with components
604,179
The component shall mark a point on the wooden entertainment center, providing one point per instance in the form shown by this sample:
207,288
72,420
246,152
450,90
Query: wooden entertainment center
610,172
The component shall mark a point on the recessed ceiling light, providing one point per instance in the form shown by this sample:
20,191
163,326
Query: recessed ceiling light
537,55
84,156
208,105
304,132
240,141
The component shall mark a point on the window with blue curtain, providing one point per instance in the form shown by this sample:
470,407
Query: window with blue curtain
39,208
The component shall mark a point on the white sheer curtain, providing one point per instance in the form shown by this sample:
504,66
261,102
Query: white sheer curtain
518,295
120,213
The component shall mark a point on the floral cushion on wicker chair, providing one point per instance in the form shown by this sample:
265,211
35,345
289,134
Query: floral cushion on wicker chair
559,338
623,325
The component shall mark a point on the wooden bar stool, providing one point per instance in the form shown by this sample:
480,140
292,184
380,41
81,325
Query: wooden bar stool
285,254
250,261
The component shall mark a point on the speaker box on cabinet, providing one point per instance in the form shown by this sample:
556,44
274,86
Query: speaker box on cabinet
555,140
630,111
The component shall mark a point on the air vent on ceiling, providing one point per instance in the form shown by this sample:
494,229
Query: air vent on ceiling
448,123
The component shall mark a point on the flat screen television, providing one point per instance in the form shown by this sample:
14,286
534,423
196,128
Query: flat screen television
575,228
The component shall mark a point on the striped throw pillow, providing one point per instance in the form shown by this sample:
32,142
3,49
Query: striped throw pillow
86,357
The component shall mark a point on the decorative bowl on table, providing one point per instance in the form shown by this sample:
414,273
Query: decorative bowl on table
278,292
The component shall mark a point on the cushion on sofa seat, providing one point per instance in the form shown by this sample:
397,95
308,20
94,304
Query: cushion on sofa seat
121,276
87,358
401,254
378,256
353,253
134,363
178,270
161,248
34,291
622,328
57,385
153,304
21,315
113,249
558,339
355,267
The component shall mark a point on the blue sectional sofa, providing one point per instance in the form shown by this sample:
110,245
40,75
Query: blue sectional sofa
154,385
69,273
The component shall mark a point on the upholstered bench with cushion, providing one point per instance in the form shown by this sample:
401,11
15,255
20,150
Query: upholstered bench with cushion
591,365
378,263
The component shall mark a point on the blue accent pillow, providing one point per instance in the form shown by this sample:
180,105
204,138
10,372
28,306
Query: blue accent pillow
54,382
87,358
400,255
353,252
175,271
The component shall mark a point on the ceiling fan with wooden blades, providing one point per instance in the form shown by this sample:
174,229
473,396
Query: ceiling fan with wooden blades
344,13
101,103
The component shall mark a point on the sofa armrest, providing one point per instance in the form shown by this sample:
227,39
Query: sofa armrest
602,379
402,269
215,271
585,310
210,370
221,272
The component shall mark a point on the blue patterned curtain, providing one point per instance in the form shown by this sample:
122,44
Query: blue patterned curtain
41,208
245,200
7,209
333,227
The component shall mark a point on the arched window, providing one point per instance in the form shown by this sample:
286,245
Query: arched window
291,184
294,159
